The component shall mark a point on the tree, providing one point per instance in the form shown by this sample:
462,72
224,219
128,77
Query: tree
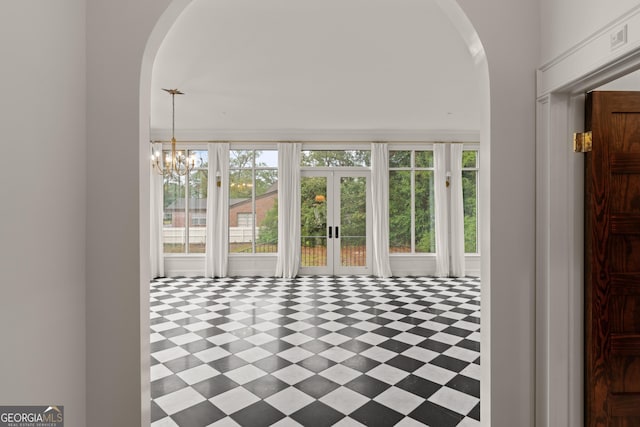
400,211
269,227
173,189
313,210
336,158
401,222
469,192
470,200
244,175
353,211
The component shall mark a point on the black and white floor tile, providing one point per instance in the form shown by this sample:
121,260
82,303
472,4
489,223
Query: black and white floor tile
315,351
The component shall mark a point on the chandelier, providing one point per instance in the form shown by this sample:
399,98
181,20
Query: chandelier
176,163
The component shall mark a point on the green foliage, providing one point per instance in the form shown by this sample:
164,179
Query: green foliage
470,203
400,211
353,207
242,175
469,159
400,220
425,212
335,158
313,212
198,183
269,228
173,189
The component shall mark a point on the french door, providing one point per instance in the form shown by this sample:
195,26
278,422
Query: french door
335,222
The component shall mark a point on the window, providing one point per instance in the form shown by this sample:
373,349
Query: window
253,201
245,219
470,169
411,202
335,158
199,219
185,207
168,218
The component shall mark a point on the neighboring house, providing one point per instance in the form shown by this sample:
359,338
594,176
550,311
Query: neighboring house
174,214
240,210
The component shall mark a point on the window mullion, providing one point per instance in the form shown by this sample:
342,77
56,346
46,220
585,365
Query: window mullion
412,173
253,204
186,212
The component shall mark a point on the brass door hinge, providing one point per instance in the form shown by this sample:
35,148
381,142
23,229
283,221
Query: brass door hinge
582,142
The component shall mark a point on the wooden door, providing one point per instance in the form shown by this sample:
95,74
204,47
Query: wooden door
612,260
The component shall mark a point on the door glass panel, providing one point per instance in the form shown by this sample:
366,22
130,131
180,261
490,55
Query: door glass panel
313,221
353,222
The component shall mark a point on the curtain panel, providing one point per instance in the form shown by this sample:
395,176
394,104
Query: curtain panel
441,211
217,240
380,209
457,213
157,214
288,260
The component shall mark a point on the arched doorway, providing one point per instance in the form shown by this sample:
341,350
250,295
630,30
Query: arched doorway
453,11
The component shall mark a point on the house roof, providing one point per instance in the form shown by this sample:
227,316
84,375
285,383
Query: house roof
201,204
270,191
194,203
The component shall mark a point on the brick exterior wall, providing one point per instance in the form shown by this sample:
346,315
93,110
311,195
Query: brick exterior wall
263,204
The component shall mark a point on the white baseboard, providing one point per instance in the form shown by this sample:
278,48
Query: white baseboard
265,265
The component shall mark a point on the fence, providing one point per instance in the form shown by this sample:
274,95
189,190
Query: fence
176,235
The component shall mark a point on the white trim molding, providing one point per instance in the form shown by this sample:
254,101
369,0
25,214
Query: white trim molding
264,265
319,135
592,55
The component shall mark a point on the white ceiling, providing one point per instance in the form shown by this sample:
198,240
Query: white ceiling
330,65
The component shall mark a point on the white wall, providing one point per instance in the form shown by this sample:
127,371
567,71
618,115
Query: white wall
117,31
512,60
42,46
566,23
42,271
628,82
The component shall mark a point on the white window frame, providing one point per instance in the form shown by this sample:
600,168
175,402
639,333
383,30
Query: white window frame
187,148
413,148
256,147
475,147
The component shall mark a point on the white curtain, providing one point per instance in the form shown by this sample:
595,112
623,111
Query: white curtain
457,213
157,215
380,208
288,209
217,249
441,211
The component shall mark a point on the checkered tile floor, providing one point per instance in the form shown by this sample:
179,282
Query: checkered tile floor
315,351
